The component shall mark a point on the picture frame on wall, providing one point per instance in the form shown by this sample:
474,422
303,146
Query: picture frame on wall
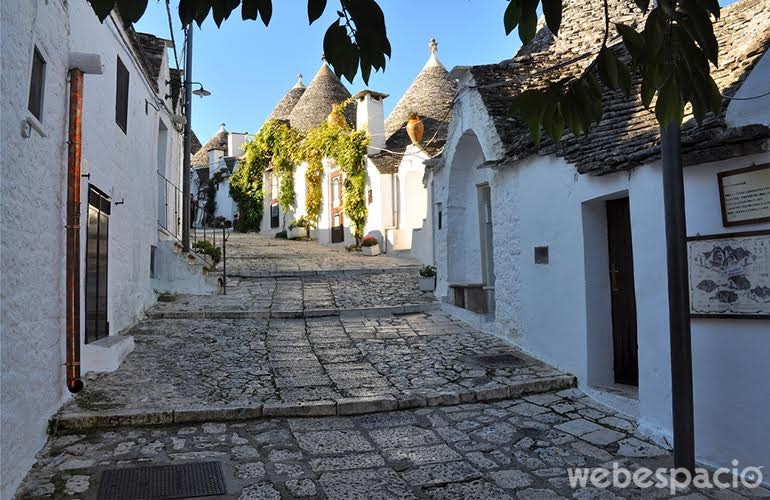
730,275
744,195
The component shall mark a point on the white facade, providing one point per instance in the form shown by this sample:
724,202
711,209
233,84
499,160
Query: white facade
123,165
561,312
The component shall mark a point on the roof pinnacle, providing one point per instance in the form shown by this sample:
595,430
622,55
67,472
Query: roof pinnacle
300,84
433,46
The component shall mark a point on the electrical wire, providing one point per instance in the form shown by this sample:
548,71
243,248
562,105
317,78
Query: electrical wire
733,98
171,30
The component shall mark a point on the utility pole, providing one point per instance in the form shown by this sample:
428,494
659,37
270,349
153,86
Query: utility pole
186,222
678,297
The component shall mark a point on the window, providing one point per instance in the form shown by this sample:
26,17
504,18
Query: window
121,97
36,86
274,186
336,192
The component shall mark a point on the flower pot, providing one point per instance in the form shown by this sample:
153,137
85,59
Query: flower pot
297,232
415,128
371,251
427,284
336,118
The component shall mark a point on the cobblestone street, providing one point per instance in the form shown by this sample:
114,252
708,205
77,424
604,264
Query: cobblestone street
503,450
397,399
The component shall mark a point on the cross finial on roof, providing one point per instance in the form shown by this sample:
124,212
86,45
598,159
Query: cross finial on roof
300,84
323,57
433,45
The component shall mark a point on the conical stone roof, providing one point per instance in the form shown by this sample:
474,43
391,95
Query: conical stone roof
316,102
284,107
430,96
217,141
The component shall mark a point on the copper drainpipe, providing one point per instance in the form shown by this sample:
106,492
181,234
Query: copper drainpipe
74,383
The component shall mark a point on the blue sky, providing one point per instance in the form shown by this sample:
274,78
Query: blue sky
248,67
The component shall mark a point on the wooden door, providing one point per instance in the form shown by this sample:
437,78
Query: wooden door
97,237
621,260
335,198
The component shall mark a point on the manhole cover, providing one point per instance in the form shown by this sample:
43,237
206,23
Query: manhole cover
496,361
163,482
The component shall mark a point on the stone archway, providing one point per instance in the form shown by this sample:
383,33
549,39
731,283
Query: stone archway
464,250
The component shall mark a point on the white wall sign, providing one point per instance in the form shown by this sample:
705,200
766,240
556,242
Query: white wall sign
745,195
730,275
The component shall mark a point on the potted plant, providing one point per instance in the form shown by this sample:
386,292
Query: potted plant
370,246
299,228
428,278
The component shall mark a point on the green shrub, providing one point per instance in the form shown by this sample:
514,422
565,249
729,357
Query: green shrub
207,248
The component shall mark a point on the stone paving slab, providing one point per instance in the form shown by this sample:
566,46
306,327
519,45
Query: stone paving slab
255,255
229,369
513,449
370,294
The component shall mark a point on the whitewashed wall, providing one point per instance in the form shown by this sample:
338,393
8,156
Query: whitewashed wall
32,218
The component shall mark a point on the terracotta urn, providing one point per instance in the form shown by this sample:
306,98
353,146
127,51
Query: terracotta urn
336,118
415,128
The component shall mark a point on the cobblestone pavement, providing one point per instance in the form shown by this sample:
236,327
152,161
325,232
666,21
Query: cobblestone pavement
503,450
304,296
254,255
408,360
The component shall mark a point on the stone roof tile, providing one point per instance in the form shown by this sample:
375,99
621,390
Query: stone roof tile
283,109
316,102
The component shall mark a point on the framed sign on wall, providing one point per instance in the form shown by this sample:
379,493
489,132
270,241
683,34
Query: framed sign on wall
730,275
745,195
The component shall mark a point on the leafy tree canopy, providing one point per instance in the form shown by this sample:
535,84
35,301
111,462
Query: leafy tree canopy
672,53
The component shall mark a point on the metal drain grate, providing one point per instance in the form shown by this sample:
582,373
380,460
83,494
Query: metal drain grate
162,482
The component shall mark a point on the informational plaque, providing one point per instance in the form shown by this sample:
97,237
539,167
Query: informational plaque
730,275
745,195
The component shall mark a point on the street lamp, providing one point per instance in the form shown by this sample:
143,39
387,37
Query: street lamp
201,92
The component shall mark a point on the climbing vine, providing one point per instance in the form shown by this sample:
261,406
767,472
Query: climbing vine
282,147
210,193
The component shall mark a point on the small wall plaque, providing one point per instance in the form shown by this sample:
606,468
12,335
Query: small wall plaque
745,195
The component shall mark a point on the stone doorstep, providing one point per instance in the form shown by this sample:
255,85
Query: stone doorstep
324,272
81,421
296,314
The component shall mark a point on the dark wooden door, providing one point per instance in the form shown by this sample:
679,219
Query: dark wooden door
337,223
621,260
97,238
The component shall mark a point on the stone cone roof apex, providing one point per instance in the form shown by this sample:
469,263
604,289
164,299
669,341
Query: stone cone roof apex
300,84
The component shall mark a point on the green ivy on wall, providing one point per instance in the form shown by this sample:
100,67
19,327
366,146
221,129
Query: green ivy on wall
277,144
210,191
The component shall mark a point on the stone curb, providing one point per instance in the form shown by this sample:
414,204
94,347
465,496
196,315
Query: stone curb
324,272
77,422
297,314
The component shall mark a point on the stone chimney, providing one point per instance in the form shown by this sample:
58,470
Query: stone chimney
235,142
371,117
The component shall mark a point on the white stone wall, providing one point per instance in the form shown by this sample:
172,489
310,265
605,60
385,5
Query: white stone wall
124,165
561,313
32,218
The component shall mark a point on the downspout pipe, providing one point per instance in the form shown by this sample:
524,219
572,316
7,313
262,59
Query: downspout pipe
74,382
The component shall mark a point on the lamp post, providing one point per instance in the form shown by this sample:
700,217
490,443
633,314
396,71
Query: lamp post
678,297
201,92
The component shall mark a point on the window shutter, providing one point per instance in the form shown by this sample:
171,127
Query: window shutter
121,96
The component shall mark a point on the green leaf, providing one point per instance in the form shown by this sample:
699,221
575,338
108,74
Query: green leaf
249,10
527,25
711,6
315,8
642,4
669,108
632,40
512,16
647,92
698,24
221,10
624,78
553,121
654,30
608,68
265,10
102,8
131,10
552,12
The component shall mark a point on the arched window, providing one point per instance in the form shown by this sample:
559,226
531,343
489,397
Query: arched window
336,192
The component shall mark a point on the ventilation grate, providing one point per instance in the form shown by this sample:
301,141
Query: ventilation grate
163,482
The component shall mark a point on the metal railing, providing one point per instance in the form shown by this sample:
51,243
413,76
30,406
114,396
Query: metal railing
218,236
169,207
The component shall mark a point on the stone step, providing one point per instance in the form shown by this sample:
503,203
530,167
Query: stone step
295,314
68,422
233,271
